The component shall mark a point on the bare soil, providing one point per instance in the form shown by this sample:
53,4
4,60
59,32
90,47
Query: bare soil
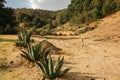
94,55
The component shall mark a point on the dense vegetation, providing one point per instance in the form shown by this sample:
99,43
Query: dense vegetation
11,20
30,17
78,12
85,11
7,19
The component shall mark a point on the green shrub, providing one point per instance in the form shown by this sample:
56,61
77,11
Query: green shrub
35,53
46,29
51,71
24,39
20,43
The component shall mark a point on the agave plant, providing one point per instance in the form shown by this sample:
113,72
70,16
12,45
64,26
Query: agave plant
35,53
50,70
24,39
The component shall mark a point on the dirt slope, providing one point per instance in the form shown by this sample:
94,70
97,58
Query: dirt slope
108,28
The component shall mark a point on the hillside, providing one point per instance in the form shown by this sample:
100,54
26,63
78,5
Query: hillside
87,11
33,17
107,29
77,13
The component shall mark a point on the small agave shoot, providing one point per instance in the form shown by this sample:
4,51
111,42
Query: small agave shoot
50,70
34,53
24,38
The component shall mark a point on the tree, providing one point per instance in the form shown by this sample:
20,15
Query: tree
2,3
6,18
89,10
109,6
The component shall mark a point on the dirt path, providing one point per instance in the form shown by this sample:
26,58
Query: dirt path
89,60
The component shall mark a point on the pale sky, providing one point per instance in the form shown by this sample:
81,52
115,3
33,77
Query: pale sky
39,4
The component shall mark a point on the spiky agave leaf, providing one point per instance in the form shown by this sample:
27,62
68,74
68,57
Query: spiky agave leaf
51,67
44,64
45,52
37,52
42,68
34,53
46,67
25,37
28,37
64,72
26,55
51,72
59,65
31,52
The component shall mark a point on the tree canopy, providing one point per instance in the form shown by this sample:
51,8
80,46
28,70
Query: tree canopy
2,3
7,19
85,11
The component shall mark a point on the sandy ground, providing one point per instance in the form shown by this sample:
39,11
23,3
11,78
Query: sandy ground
89,59
94,55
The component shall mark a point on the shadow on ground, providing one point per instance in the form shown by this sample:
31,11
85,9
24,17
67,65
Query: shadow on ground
61,38
82,76
7,40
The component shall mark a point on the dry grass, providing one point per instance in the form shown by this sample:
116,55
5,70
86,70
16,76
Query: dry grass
5,44
12,66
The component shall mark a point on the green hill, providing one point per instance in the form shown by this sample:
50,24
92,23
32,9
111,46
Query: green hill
33,17
78,12
86,11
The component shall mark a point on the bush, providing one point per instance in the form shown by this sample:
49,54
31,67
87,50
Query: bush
51,71
35,53
24,39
